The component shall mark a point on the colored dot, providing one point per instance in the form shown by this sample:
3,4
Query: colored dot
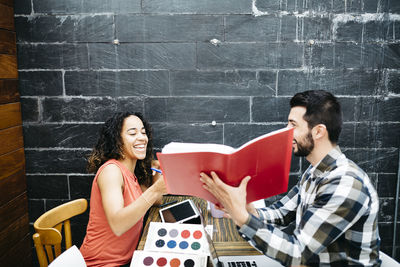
162,261
173,233
188,263
183,244
171,244
185,234
197,234
160,243
162,232
195,245
175,262
148,261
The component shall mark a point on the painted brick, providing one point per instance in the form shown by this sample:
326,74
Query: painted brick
236,55
375,160
197,7
84,28
95,6
65,56
318,5
175,28
394,6
270,109
80,186
376,31
268,5
163,133
83,109
315,28
49,186
347,55
292,80
117,83
56,161
195,109
29,109
23,7
391,56
61,135
320,55
218,83
393,82
372,56
349,31
143,56
387,184
247,28
40,83
289,29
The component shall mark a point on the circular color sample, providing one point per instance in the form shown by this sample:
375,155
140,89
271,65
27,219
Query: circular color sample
185,234
162,232
148,261
183,244
160,243
162,261
175,262
173,233
197,234
195,245
188,263
171,244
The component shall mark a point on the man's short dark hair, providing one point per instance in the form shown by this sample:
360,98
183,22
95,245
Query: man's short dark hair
321,108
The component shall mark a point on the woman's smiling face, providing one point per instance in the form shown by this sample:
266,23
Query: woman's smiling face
134,138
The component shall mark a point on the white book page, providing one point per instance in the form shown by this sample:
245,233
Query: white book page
176,147
261,137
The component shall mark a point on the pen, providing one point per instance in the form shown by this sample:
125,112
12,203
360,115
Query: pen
156,170
168,203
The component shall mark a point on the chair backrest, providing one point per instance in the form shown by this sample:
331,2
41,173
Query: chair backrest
49,226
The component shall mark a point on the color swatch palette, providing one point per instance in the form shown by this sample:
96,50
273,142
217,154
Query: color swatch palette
177,238
160,259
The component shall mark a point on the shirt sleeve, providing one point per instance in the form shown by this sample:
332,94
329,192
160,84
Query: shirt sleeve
339,203
283,211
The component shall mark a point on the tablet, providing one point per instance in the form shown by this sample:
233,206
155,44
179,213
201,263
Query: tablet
182,212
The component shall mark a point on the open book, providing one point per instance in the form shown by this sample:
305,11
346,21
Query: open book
266,159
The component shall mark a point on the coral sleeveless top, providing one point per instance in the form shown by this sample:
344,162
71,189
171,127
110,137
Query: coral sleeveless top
101,247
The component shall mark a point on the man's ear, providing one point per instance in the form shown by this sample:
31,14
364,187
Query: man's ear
319,131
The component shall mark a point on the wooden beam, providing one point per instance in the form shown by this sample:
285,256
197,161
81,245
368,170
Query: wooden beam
8,67
6,17
9,91
8,42
11,163
10,115
12,186
11,139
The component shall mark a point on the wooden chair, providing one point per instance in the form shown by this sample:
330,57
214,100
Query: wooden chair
48,228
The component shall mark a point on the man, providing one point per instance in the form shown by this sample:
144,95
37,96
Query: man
333,207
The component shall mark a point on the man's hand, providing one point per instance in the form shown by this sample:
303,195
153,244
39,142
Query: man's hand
232,198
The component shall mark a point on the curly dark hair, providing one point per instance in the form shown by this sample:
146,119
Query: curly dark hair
109,146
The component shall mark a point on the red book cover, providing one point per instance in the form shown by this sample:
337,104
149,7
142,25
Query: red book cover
266,159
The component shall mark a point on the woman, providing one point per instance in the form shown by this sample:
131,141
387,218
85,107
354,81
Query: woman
122,190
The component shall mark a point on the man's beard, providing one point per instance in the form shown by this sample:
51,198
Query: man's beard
305,147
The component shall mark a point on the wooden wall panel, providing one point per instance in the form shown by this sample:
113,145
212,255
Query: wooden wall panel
13,211
6,17
10,115
11,163
8,67
9,91
7,2
14,232
12,186
18,255
7,42
11,139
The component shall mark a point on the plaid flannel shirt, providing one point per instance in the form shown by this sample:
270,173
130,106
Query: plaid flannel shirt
334,207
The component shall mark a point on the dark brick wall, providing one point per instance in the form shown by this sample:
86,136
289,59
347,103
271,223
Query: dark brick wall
186,63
